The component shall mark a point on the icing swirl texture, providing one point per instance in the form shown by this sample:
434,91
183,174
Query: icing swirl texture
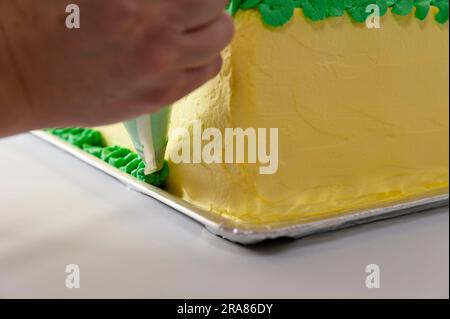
276,13
91,141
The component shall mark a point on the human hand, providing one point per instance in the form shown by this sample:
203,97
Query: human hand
130,57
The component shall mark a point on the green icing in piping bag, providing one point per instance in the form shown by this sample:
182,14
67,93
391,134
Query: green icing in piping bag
149,134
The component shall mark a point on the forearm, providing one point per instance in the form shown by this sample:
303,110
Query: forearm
15,115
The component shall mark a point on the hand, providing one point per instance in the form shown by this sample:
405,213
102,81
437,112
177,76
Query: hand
130,57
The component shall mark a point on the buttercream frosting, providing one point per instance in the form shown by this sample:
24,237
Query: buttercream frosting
362,117
362,114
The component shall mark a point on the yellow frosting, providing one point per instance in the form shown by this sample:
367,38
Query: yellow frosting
116,135
363,118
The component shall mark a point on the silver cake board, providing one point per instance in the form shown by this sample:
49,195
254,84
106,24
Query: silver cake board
247,233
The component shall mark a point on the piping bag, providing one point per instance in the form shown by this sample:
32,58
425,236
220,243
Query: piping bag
149,134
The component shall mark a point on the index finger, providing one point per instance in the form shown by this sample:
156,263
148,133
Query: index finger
193,14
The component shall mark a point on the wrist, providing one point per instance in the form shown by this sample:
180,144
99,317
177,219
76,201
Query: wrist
15,109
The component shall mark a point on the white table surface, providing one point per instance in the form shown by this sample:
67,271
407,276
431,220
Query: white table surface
55,210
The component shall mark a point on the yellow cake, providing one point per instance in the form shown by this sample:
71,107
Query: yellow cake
362,117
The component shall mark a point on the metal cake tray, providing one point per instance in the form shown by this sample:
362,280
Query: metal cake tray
248,233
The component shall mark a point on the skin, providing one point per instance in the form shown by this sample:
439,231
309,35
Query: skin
130,57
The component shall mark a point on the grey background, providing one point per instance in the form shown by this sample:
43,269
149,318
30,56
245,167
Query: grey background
55,210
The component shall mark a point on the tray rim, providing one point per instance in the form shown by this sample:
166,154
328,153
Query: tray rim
248,233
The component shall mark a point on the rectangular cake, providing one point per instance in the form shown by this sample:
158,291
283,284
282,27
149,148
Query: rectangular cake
362,113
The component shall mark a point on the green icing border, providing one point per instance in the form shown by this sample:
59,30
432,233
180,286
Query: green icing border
276,13
91,142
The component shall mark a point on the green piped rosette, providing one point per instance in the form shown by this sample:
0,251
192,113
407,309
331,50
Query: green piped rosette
91,141
276,13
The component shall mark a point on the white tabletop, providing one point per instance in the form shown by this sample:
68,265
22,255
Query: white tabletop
55,210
